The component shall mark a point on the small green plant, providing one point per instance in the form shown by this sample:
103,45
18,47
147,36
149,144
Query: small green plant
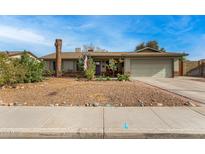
123,77
90,71
80,65
48,73
100,78
112,66
108,78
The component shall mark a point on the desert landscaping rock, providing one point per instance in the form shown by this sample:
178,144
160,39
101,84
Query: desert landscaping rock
108,105
95,104
159,104
72,93
87,104
141,103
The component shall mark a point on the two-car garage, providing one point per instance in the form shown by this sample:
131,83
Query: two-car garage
151,67
149,62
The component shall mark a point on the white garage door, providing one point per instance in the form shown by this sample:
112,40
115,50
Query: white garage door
151,68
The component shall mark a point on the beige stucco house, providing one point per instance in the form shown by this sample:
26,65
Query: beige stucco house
146,62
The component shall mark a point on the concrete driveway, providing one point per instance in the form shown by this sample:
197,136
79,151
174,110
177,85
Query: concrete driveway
191,87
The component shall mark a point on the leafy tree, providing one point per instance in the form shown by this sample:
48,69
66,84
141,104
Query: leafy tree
152,44
112,66
92,47
140,46
162,50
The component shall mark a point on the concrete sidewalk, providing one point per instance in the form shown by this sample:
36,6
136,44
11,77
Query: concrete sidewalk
102,122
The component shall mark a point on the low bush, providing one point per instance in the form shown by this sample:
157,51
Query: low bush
25,69
34,69
48,73
123,77
100,78
90,71
103,78
108,78
11,71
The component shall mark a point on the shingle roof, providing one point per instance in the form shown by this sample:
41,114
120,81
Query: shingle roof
77,55
64,55
14,53
155,54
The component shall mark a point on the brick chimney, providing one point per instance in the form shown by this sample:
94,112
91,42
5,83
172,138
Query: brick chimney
58,45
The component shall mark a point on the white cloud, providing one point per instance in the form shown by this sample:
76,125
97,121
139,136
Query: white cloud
180,25
22,35
198,51
81,27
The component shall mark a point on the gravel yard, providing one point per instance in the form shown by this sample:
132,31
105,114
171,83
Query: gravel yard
70,92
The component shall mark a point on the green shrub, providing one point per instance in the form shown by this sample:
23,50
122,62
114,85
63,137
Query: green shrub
100,78
90,71
108,78
21,70
11,71
112,66
48,73
34,69
80,65
123,77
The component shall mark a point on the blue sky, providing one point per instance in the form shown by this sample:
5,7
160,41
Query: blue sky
113,33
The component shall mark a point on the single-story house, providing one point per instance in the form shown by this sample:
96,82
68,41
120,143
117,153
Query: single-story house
147,62
18,54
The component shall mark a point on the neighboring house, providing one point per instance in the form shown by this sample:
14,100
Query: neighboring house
18,54
146,62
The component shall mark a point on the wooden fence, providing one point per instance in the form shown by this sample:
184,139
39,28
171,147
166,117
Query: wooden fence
194,68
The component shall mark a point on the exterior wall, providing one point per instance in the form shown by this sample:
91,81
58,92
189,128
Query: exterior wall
47,65
176,67
75,66
16,56
127,65
67,65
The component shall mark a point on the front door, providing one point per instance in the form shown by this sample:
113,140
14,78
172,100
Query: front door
97,68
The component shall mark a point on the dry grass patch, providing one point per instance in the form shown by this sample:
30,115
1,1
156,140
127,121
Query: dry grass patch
70,92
